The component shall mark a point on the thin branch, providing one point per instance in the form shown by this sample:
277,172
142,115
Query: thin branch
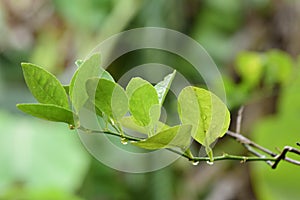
243,140
240,138
239,119
233,157
247,142
282,155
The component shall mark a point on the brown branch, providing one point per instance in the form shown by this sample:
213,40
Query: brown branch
282,156
247,143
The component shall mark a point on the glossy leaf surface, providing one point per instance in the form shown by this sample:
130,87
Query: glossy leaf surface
44,86
48,112
177,136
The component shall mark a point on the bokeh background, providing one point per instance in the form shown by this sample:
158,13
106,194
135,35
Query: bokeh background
255,44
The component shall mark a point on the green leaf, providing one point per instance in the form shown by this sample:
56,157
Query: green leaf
279,67
48,112
109,97
177,136
134,84
163,87
44,86
71,86
207,114
129,122
88,69
143,103
106,75
249,66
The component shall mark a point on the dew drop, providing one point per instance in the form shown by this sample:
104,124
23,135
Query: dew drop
209,162
124,141
71,127
195,163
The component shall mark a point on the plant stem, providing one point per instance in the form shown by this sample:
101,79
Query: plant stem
234,157
109,133
240,138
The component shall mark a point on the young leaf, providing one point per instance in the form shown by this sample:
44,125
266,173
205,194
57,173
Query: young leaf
48,112
143,103
109,97
177,136
163,87
44,86
207,114
134,84
88,69
129,122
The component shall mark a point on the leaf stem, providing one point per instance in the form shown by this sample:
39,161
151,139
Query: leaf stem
89,131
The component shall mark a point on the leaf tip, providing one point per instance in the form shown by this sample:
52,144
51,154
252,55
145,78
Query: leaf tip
24,64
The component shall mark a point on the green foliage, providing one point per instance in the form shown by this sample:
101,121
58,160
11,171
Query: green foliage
89,68
177,136
163,87
284,129
129,123
109,97
143,103
204,116
249,67
258,72
44,86
207,114
48,112
33,167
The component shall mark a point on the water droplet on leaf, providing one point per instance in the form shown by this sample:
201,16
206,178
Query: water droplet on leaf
209,162
71,127
195,163
124,141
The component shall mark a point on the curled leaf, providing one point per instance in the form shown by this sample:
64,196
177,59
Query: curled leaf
163,87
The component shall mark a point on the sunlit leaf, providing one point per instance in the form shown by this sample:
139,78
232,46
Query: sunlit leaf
48,112
88,69
207,114
143,103
44,86
177,136
163,87
129,122
109,97
134,84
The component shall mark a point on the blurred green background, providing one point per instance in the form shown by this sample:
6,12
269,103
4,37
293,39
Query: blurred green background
255,44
